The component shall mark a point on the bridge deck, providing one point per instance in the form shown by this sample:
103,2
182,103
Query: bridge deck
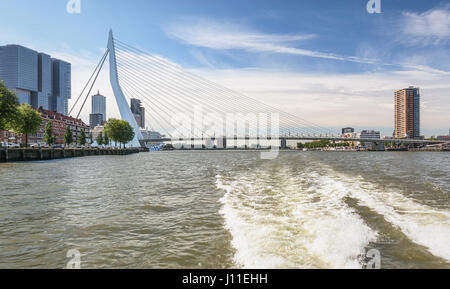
406,141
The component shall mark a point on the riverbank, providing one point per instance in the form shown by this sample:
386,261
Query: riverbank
41,154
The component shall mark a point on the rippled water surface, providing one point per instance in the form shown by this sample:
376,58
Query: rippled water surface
227,210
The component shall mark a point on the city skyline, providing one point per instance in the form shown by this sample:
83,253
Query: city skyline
212,138
274,54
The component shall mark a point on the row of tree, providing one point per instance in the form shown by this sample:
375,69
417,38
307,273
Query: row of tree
119,131
321,144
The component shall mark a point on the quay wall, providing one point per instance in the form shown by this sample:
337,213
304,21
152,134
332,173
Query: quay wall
36,154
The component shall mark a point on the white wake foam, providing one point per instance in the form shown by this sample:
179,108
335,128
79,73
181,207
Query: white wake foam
292,222
424,225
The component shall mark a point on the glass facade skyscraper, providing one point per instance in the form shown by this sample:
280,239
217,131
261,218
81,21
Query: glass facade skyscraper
45,89
36,78
61,86
99,105
19,71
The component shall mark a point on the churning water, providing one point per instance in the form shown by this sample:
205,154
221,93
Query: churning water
228,210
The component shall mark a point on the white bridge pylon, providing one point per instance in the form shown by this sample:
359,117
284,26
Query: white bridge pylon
124,107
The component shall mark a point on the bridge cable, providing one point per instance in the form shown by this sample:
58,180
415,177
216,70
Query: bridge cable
225,89
95,79
90,78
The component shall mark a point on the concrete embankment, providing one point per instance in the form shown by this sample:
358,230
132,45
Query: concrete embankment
24,155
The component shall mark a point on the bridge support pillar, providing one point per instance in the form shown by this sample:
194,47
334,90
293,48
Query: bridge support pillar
283,144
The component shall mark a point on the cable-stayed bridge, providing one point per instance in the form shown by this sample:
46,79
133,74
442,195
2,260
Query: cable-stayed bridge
184,107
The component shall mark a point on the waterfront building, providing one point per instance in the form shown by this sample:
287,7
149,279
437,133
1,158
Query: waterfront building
99,106
36,78
138,112
10,137
60,122
369,134
347,130
350,135
443,138
146,134
407,113
96,131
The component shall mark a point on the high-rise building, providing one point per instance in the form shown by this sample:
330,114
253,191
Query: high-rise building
19,71
61,86
138,112
95,119
45,87
99,105
407,113
36,78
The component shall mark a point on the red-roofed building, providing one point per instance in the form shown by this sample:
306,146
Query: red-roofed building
59,124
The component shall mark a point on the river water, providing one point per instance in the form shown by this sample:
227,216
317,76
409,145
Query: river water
227,210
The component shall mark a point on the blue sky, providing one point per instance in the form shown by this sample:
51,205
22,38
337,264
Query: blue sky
327,57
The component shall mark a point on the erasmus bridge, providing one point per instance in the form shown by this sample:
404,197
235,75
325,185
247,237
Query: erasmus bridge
184,107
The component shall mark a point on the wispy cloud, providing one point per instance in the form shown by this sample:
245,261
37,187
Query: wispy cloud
228,36
428,28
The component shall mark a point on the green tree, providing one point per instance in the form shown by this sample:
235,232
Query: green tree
68,136
91,138
127,133
82,138
119,131
9,103
27,122
49,138
112,129
106,140
100,140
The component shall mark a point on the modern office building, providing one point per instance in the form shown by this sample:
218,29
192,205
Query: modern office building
99,105
19,71
61,86
45,86
36,78
95,119
347,130
138,112
369,134
407,113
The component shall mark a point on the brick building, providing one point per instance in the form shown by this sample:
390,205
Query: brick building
59,124
9,137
